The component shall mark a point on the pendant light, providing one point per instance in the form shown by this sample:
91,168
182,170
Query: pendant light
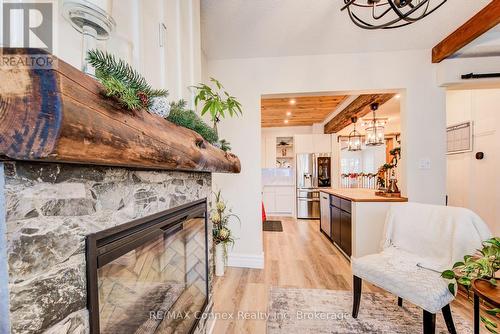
375,132
389,14
354,142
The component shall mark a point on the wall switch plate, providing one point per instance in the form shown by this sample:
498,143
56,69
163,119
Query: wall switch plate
424,163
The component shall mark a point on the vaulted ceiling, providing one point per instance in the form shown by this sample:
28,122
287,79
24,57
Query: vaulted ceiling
295,111
276,28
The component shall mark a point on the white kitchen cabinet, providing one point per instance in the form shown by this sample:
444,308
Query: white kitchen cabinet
321,143
269,198
279,200
312,143
303,144
270,161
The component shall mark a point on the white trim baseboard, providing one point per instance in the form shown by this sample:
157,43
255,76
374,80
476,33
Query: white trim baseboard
246,260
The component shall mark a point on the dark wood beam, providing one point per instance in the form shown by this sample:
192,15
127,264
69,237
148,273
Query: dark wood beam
60,115
358,108
486,19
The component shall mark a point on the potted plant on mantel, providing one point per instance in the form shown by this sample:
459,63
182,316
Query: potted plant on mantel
484,266
222,235
218,102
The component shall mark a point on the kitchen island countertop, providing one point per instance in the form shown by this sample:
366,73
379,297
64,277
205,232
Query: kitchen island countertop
361,195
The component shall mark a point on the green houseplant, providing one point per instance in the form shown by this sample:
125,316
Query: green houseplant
216,101
483,265
221,216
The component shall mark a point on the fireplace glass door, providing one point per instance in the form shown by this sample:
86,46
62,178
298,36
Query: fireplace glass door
154,280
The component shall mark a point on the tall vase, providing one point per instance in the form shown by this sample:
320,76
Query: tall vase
219,260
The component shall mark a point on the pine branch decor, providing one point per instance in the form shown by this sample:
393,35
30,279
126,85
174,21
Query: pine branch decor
122,81
182,116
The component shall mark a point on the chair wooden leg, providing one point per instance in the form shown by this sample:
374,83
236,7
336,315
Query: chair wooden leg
476,314
449,319
357,284
429,323
400,301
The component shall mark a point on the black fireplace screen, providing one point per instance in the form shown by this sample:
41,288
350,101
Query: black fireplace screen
149,275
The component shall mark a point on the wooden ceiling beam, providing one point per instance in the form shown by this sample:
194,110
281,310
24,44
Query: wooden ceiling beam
358,108
486,19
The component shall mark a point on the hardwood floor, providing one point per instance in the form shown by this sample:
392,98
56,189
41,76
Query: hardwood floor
299,257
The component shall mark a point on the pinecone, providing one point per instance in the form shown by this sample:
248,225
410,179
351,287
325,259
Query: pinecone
144,98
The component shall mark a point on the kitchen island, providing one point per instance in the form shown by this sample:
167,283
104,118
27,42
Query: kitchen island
353,219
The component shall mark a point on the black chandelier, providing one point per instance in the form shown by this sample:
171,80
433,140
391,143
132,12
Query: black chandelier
389,14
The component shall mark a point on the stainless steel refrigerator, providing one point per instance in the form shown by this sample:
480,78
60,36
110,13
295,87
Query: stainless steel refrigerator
311,176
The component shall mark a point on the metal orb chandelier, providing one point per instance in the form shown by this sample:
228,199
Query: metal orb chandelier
389,14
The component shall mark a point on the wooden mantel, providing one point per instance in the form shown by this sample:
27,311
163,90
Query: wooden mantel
59,115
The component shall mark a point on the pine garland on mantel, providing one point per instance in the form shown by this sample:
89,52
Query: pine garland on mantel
123,82
130,88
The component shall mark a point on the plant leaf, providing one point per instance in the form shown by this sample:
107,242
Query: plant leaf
448,274
451,288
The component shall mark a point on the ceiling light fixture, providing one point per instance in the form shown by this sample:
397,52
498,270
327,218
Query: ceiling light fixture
286,121
354,141
375,132
389,14
289,113
398,96
292,101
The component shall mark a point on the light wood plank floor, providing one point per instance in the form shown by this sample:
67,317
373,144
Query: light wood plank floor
298,257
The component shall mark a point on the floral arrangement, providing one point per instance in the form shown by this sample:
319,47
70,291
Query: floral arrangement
221,216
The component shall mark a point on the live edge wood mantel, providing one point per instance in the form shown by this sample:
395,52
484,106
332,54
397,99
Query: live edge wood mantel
59,115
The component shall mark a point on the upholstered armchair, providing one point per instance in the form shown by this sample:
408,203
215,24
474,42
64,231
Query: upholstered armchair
420,242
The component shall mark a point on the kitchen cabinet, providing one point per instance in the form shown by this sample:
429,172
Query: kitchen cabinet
325,223
270,152
341,220
322,143
278,200
357,219
313,143
335,218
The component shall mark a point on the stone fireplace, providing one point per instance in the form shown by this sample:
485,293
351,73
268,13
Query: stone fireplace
50,210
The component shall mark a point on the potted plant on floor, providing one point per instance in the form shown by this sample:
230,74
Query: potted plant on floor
222,235
484,266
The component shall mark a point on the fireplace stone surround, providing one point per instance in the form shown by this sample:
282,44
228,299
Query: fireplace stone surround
47,210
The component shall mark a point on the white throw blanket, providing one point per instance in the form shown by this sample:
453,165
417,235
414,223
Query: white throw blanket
441,235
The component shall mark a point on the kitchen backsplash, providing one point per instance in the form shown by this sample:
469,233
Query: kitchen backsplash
277,176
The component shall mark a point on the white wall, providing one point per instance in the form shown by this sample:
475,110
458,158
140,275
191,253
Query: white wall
180,65
423,109
471,183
